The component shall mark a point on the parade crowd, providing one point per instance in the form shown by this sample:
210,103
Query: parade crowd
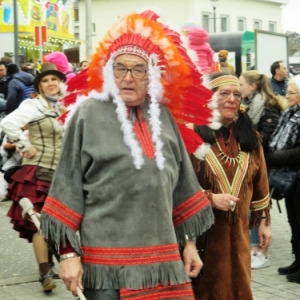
151,172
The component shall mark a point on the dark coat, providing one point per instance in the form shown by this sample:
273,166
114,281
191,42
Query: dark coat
15,93
278,87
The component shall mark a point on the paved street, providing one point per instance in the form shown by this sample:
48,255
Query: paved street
18,270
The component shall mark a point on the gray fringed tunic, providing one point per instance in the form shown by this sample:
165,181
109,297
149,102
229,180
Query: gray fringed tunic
130,221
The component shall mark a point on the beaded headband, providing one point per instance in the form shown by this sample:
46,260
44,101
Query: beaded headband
226,79
132,49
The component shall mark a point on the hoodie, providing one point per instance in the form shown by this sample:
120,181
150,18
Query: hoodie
198,40
61,61
20,87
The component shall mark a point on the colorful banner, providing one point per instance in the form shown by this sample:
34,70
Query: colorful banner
55,14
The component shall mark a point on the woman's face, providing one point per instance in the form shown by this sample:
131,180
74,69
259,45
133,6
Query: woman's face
229,99
247,89
50,85
292,94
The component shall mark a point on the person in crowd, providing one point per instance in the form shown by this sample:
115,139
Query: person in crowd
6,59
264,109
279,78
222,64
3,80
61,61
134,197
83,65
198,41
20,87
29,68
40,150
285,146
235,165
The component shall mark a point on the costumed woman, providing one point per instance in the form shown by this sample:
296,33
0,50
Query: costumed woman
285,153
40,150
235,165
264,109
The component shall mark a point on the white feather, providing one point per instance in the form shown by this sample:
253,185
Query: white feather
201,151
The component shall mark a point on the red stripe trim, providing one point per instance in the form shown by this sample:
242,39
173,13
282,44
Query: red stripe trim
190,201
190,207
130,261
160,292
189,213
56,203
62,213
129,251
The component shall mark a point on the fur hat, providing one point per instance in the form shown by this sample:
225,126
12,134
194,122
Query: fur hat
223,53
48,69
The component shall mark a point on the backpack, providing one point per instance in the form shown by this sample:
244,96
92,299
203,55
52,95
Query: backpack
26,90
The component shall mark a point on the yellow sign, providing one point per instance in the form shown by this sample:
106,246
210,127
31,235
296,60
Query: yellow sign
55,14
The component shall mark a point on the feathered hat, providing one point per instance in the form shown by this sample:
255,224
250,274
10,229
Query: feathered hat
173,81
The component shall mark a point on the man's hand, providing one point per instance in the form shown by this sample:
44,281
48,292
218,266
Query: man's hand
264,235
191,259
70,271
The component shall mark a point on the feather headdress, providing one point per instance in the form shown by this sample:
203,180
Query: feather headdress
173,81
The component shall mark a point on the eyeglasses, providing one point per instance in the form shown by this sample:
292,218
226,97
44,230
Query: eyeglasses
224,95
291,93
136,72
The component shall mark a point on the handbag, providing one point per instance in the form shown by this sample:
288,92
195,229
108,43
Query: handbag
283,179
44,174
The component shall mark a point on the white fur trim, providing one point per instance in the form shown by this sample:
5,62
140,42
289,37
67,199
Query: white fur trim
201,151
155,91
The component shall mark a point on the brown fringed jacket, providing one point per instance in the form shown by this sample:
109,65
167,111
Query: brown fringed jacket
130,221
227,260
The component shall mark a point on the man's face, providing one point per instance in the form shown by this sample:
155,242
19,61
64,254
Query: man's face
132,90
282,72
2,71
221,58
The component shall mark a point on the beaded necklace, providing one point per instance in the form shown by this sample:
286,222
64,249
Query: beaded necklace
223,156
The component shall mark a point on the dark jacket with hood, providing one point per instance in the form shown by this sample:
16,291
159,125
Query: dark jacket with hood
20,87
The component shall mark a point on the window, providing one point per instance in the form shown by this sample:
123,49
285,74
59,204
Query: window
224,23
257,24
76,12
76,36
94,27
241,24
272,26
206,18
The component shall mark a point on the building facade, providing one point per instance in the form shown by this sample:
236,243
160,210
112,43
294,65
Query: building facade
213,15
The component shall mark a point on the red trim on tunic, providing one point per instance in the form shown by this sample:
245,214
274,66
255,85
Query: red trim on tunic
175,292
190,207
130,256
142,132
62,213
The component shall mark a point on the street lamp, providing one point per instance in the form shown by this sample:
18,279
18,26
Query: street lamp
214,4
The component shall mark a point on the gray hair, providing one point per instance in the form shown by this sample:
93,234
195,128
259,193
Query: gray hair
296,80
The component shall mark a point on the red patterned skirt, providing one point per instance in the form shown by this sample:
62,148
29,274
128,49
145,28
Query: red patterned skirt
25,185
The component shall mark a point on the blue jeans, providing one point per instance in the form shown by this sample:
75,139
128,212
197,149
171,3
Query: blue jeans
254,240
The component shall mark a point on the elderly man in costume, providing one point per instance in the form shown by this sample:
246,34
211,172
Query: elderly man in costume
124,179
222,65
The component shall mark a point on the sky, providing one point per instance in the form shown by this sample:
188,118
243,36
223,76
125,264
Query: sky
290,16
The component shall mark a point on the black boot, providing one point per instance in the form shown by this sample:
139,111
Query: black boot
46,278
294,267
295,277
